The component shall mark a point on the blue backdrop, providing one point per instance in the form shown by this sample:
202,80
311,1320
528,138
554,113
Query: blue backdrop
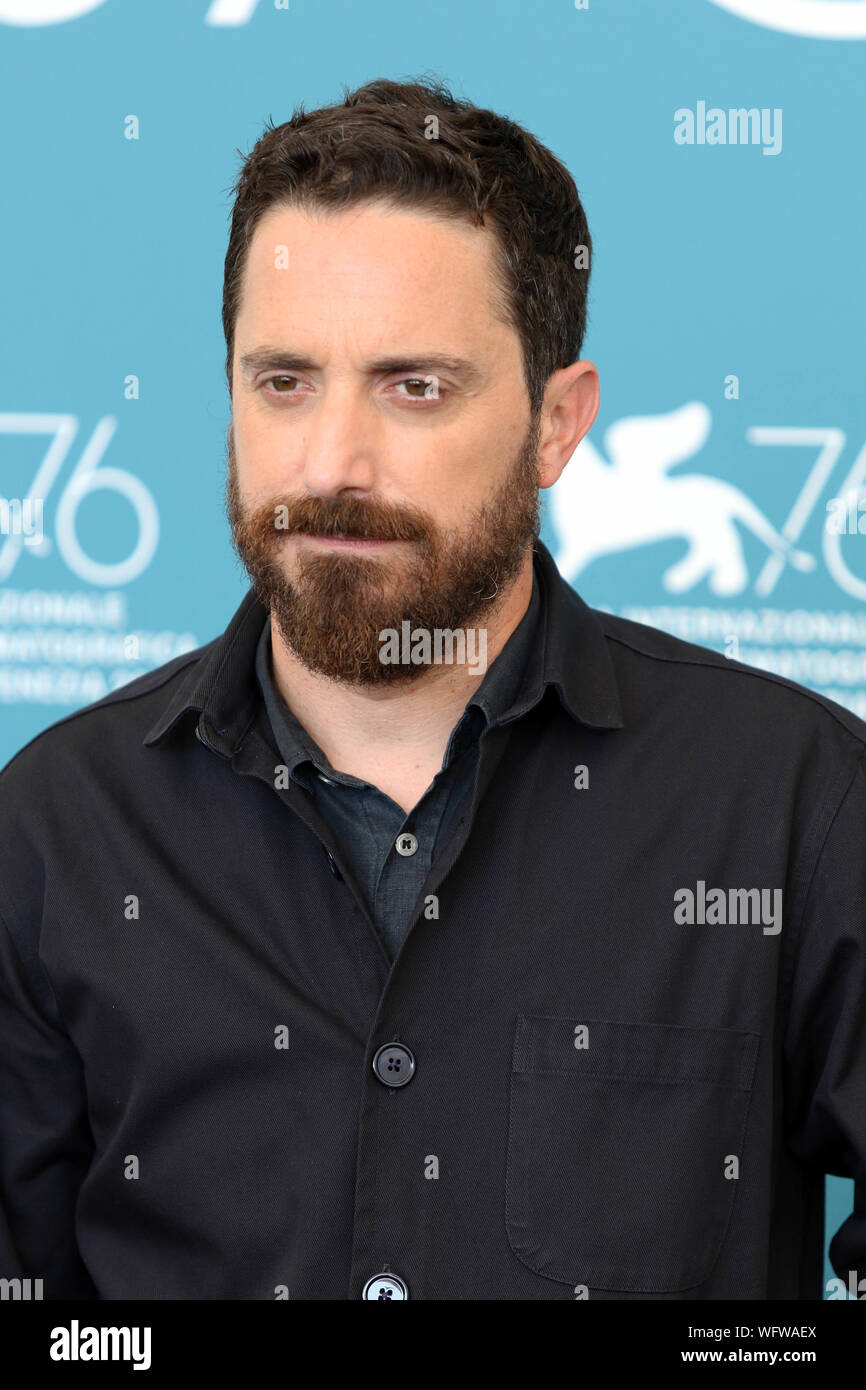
717,146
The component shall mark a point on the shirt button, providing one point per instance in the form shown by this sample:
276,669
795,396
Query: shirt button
406,844
385,1286
394,1064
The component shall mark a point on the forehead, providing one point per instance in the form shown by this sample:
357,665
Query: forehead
397,265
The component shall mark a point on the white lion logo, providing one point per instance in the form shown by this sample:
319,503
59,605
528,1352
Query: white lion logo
599,508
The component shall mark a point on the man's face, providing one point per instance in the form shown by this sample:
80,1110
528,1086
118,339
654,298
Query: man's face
376,396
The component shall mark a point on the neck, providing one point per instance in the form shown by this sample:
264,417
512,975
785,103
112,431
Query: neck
355,725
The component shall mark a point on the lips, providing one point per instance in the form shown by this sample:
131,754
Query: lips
346,542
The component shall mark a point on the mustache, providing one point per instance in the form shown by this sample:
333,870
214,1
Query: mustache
349,517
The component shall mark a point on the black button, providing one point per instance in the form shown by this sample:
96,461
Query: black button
394,1064
385,1286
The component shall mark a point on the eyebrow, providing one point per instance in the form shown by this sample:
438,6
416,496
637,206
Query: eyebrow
428,363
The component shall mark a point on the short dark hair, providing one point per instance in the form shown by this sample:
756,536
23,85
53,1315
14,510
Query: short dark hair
480,166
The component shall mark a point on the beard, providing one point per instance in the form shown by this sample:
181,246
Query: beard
332,616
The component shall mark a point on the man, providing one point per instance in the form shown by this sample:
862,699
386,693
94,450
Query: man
331,969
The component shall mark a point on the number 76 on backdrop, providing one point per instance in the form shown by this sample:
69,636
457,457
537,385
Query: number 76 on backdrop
88,476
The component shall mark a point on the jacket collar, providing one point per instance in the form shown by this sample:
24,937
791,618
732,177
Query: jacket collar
571,654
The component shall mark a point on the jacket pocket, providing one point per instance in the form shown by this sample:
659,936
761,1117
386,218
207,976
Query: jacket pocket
619,1152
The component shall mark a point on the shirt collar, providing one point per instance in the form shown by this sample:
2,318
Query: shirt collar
570,653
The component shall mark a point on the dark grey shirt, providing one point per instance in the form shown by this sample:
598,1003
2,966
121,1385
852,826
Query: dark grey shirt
391,852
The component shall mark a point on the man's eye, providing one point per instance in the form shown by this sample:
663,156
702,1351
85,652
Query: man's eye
427,387
273,380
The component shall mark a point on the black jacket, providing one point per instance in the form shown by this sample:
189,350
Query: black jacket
215,1084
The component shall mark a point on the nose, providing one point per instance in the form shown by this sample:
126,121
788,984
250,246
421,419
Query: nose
341,445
